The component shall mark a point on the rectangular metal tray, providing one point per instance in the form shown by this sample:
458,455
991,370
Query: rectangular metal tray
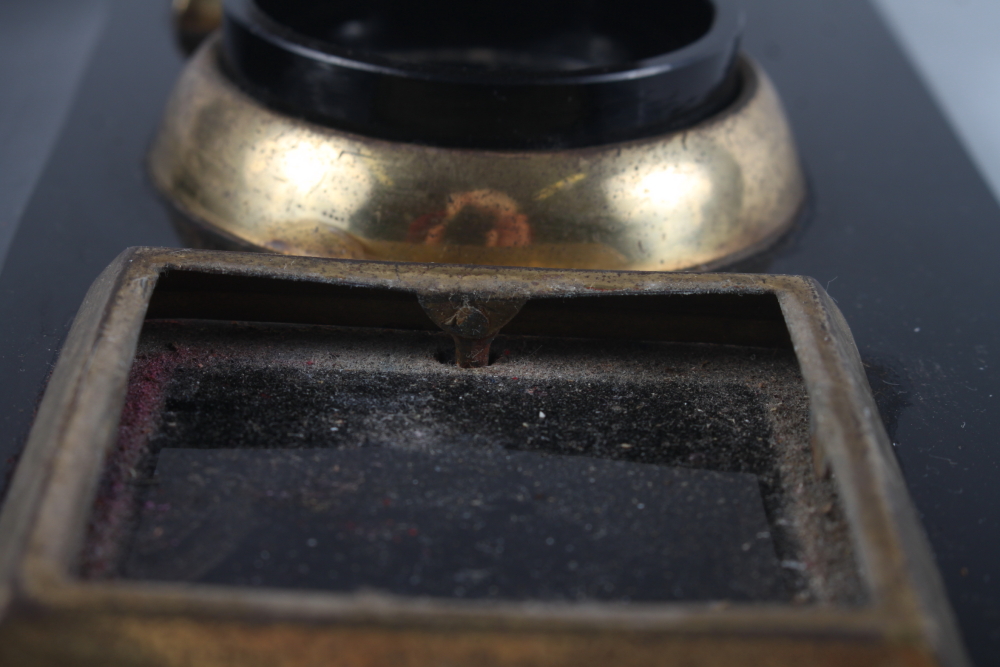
895,612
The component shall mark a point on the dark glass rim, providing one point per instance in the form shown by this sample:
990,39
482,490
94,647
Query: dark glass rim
365,91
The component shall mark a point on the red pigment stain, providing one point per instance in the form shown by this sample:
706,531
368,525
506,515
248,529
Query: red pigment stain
115,506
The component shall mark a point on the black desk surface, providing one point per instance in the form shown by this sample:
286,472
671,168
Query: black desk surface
901,229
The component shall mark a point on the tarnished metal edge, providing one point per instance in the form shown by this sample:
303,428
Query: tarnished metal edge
892,546
61,400
908,603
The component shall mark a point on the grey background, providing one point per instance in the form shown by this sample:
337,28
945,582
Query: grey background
44,48
955,46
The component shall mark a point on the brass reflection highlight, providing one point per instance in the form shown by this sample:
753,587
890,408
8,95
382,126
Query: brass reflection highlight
241,175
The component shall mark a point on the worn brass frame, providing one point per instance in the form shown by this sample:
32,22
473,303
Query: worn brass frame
52,617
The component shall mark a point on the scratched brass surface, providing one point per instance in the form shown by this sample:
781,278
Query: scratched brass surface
258,179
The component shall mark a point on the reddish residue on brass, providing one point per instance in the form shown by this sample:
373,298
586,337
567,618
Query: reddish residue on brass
114,506
508,227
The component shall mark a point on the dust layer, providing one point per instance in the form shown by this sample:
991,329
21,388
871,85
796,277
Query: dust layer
235,386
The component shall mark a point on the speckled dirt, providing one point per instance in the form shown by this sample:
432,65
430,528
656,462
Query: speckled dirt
230,386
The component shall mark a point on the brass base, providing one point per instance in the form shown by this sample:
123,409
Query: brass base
253,178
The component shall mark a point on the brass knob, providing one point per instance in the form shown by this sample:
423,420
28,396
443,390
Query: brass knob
194,20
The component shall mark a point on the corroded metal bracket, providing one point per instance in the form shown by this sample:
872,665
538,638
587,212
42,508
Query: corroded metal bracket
903,619
473,323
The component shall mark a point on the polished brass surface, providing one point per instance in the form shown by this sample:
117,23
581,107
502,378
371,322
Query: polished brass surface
903,620
252,178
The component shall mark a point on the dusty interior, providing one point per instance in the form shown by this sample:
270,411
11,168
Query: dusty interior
706,417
